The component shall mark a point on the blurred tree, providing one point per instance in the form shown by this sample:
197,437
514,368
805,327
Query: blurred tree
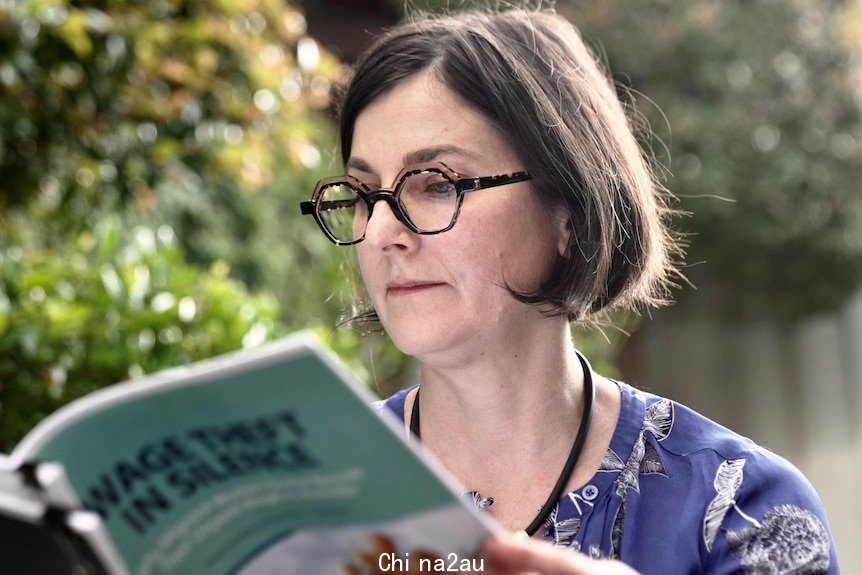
179,110
104,307
758,111
152,156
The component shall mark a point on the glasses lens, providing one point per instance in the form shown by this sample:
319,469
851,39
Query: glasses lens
429,198
342,211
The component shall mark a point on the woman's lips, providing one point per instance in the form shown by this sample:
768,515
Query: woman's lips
410,287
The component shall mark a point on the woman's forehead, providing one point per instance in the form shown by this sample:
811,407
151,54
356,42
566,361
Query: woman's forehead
419,120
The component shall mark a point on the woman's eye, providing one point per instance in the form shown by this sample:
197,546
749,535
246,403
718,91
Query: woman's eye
441,188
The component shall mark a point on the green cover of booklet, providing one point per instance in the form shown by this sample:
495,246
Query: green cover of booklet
262,461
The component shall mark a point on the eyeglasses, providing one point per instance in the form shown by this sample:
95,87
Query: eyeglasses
426,198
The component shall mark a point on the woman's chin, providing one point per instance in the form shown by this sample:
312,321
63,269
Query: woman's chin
422,343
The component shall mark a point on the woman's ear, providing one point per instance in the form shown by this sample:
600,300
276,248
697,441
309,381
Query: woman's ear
562,221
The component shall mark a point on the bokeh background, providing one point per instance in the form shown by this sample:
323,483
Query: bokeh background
152,156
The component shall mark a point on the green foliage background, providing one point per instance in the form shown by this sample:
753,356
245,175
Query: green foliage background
108,306
152,156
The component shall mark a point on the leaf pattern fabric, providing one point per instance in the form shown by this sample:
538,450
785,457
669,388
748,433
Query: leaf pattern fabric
562,533
677,493
728,478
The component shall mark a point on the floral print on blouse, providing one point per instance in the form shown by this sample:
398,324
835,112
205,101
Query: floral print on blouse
679,493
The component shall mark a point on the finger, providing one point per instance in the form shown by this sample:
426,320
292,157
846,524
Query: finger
508,555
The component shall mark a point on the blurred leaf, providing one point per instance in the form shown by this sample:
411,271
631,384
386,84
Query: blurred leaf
73,31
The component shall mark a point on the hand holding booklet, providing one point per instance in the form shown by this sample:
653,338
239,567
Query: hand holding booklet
262,461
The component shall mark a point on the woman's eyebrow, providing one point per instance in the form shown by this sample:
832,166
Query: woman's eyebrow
358,164
414,157
433,153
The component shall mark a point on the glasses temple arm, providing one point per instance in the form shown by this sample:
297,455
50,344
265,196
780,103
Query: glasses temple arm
473,184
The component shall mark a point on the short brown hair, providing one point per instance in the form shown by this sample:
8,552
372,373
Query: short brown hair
533,77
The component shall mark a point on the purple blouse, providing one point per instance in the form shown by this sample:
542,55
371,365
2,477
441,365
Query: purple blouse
679,493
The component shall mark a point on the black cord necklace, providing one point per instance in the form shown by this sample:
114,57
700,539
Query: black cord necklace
574,454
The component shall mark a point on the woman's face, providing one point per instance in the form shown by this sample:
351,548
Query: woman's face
445,295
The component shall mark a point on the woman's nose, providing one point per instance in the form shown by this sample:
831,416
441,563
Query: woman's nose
384,230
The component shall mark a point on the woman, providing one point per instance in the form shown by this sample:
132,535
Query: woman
495,192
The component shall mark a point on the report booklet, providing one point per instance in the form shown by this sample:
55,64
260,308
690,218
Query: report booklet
263,461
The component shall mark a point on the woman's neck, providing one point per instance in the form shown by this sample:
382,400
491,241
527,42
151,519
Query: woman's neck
503,424
516,391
